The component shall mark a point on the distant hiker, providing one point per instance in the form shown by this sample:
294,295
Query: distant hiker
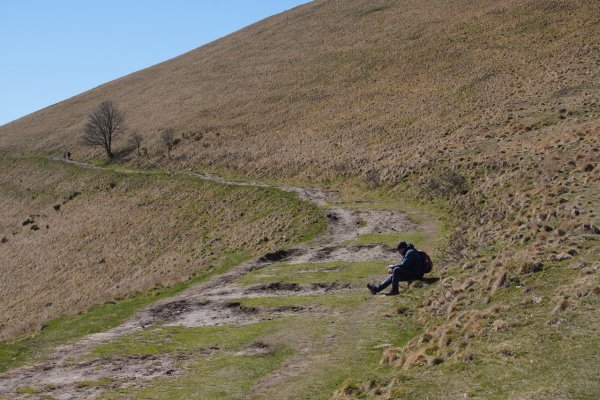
68,155
412,267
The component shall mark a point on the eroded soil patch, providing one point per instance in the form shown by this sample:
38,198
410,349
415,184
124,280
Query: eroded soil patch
85,379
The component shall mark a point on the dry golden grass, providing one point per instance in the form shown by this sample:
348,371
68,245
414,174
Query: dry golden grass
121,234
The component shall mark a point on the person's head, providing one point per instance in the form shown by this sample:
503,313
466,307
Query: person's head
402,246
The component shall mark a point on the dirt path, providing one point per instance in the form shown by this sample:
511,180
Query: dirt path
210,303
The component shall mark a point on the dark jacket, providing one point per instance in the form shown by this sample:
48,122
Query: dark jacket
412,260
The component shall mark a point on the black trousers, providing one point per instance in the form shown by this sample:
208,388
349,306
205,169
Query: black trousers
400,275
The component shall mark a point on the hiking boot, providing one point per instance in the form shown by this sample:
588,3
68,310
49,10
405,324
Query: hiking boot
393,293
372,288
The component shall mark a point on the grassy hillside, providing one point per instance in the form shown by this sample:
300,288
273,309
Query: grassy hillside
487,109
75,237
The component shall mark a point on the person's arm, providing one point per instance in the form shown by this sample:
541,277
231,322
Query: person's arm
393,266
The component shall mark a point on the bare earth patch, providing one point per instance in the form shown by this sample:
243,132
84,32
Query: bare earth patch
86,379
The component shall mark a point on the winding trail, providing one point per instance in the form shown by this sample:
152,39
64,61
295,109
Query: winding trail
209,303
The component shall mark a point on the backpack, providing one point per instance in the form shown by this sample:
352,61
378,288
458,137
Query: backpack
427,263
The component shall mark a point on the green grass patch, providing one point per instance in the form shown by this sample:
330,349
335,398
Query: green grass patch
337,301
27,390
95,383
327,272
321,351
181,340
214,377
334,348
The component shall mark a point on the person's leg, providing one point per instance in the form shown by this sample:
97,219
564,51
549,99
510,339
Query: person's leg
402,275
392,279
385,283
398,276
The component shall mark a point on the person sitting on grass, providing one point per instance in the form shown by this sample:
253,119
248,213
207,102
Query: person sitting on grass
409,269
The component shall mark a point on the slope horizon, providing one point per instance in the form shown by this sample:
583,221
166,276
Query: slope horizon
48,62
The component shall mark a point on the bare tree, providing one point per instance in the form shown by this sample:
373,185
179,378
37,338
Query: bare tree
103,124
168,138
137,139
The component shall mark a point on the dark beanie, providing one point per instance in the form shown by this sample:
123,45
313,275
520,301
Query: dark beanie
402,245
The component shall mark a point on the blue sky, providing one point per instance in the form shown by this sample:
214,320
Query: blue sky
52,50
